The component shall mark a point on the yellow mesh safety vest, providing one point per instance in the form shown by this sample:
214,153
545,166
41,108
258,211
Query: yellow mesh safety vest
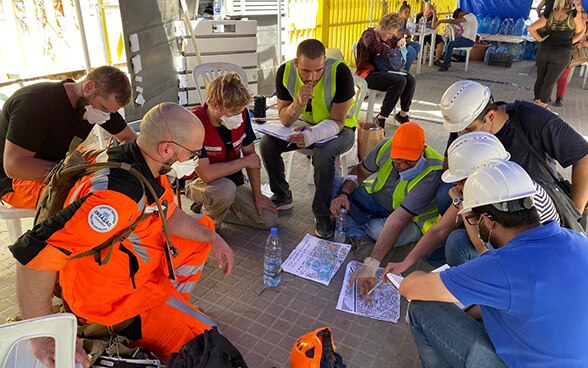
434,163
323,93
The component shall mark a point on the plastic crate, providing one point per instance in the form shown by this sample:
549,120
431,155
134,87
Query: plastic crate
501,60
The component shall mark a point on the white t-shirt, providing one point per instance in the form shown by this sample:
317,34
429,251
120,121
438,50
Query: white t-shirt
470,27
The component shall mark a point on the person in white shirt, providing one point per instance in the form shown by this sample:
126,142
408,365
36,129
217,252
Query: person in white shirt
469,22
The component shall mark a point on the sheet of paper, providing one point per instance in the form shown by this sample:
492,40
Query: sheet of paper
316,259
278,130
385,304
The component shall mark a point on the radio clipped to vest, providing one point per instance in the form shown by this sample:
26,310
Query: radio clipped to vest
63,177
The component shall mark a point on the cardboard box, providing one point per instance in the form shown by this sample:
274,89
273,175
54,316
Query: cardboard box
478,52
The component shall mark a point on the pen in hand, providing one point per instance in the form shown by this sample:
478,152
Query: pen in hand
299,132
378,283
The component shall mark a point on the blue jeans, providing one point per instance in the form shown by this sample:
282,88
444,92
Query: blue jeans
442,197
458,42
367,216
459,249
446,336
412,50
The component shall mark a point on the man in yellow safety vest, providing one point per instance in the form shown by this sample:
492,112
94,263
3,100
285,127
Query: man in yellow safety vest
320,92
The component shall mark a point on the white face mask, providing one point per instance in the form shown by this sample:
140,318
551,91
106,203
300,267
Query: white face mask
95,116
184,168
232,122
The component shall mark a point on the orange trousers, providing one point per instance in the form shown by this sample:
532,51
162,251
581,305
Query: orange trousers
168,327
25,193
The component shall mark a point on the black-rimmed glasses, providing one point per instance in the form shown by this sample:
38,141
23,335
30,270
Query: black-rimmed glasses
474,219
195,153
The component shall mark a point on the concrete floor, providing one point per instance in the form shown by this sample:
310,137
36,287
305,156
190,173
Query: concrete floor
264,324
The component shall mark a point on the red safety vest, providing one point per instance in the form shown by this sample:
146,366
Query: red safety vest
215,147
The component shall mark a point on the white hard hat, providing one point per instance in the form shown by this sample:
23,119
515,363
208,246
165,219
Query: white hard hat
469,151
497,181
462,103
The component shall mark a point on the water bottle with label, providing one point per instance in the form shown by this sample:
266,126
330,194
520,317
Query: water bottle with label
216,10
339,236
422,24
272,261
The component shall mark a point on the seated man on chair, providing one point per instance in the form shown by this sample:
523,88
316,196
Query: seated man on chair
319,91
38,123
140,281
398,206
228,149
467,39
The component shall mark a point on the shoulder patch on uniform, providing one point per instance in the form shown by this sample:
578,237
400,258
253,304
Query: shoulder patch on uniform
102,218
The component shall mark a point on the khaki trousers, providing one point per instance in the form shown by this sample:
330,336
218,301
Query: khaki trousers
222,200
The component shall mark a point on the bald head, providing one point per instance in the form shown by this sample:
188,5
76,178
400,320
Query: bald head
170,122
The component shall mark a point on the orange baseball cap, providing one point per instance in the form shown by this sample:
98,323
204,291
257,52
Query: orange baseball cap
408,142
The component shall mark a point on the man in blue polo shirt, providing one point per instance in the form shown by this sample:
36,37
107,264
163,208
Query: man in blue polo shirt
528,290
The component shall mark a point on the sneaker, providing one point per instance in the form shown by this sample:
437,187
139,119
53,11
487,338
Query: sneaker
443,68
558,102
438,62
362,247
324,227
284,204
381,122
401,119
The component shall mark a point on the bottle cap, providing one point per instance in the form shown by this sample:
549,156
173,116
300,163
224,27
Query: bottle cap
343,211
274,231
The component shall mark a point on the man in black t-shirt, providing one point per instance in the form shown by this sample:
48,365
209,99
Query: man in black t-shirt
468,106
319,91
38,122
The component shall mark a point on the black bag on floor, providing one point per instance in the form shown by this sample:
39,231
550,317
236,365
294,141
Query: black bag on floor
207,350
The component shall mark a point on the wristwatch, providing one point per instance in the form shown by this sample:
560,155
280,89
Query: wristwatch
457,201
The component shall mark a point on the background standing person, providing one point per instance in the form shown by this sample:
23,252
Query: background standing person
563,27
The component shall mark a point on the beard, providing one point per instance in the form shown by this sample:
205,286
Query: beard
166,167
483,232
80,108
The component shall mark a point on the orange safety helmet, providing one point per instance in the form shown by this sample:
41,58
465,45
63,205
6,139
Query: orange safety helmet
308,349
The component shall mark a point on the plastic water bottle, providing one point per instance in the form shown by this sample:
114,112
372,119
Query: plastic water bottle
504,27
422,24
339,236
495,25
480,18
511,24
487,24
272,261
519,27
216,10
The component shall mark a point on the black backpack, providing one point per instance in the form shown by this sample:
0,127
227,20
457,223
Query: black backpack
207,350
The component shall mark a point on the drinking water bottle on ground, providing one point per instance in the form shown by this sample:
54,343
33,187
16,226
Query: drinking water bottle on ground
339,236
272,261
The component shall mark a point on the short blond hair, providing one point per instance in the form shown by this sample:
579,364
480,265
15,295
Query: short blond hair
392,20
228,91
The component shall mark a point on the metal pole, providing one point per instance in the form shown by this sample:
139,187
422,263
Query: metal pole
83,35
279,32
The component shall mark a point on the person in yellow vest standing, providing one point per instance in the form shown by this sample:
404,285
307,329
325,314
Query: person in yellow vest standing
320,92
398,206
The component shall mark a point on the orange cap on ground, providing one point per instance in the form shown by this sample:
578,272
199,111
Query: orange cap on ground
408,142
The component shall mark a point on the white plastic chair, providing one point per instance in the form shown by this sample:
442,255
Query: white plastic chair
206,72
347,158
12,216
15,351
468,50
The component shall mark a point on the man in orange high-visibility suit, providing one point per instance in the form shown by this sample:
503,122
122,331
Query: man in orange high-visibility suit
134,283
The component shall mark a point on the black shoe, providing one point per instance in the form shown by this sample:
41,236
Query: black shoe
438,62
283,204
324,227
443,68
196,207
558,102
381,122
401,119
